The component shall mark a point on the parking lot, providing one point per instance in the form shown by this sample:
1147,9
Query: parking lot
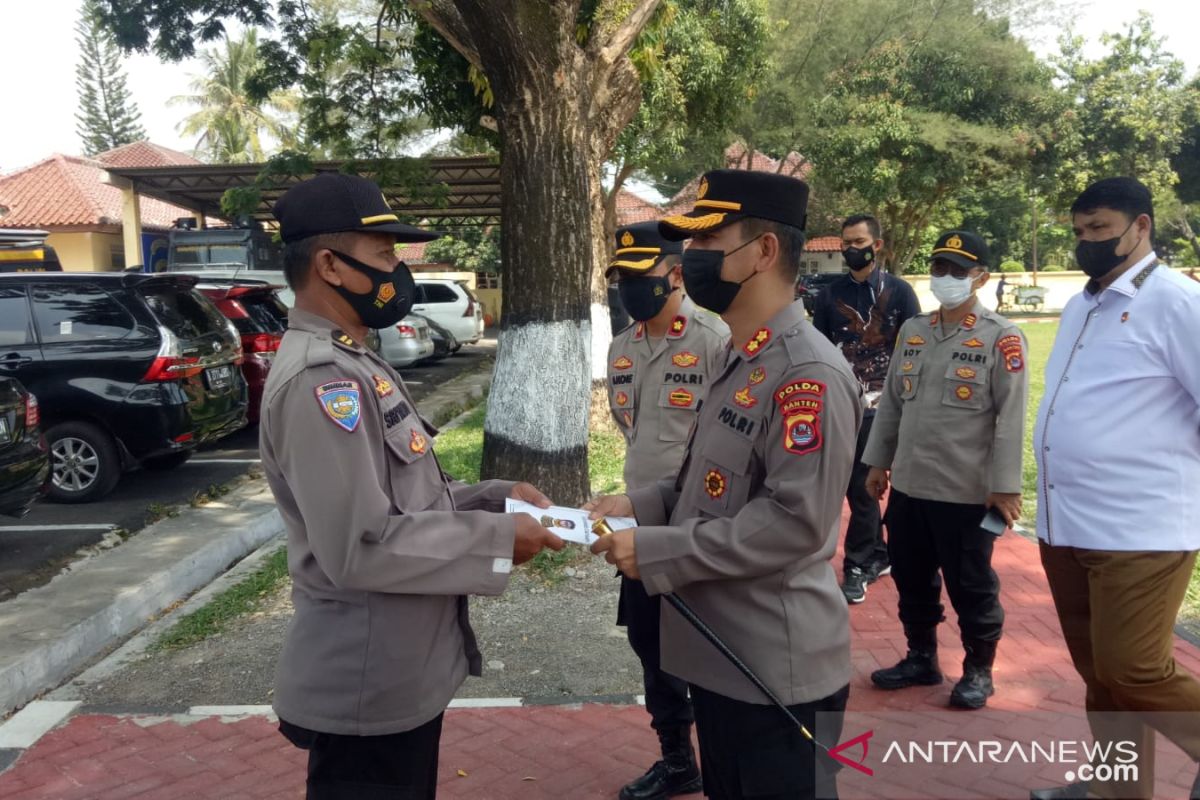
35,548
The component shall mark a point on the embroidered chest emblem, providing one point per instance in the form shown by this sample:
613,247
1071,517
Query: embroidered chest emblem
681,398
714,484
622,363
914,341
383,387
744,399
973,342
966,373
964,393
417,442
758,376
685,359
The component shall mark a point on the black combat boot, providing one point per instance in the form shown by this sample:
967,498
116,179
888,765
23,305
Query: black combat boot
975,687
677,773
919,667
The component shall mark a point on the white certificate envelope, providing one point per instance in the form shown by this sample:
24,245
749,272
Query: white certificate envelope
569,524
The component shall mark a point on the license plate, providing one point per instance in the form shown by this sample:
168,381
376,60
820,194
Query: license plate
219,377
4,434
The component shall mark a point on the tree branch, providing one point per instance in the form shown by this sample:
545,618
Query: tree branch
611,45
443,16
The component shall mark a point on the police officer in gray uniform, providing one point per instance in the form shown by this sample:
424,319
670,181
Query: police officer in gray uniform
659,369
382,546
950,428
746,532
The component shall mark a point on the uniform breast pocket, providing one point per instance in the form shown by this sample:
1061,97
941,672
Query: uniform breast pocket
966,386
676,411
621,396
416,480
724,474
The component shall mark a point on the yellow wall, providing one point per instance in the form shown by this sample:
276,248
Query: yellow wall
491,303
84,251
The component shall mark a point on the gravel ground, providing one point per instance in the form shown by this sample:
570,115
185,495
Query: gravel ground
548,640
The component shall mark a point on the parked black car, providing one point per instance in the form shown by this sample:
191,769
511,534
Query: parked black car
129,369
444,343
809,287
24,463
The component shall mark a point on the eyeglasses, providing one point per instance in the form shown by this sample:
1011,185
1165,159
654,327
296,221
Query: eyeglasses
941,267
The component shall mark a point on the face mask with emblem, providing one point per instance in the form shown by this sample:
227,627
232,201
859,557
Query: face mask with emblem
1097,259
644,295
391,296
950,291
702,278
857,258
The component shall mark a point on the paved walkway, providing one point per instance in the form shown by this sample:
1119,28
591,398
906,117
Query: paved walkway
589,751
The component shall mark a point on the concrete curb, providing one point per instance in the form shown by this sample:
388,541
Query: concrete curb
49,633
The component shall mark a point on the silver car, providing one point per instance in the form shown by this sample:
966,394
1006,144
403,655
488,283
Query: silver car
406,342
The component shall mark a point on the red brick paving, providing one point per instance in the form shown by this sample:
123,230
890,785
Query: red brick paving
555,752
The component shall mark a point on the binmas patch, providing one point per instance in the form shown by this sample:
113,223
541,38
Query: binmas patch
342,402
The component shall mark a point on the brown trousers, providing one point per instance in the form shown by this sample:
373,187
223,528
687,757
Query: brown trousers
1117,610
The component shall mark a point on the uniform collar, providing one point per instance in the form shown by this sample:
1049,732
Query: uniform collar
1130,281
791,316
968,323
679,323
314,323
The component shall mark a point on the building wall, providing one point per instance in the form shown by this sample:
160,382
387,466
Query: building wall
86,251
814,263
1060,287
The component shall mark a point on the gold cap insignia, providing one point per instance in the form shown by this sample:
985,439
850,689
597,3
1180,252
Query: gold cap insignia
627,239
703,190
954,242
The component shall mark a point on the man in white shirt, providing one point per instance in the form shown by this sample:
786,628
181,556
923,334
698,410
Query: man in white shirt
1118,449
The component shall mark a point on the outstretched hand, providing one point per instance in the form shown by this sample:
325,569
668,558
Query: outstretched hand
529,493
620,550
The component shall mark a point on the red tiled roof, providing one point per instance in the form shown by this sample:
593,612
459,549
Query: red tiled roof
68,190
823,244
631,209
412,252
145,154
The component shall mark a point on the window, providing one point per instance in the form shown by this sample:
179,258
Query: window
186,314
439,293
486,280
78,313
116,257
14,317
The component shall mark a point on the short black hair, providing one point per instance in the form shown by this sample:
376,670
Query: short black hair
872,224
791,242
298,255
1127,195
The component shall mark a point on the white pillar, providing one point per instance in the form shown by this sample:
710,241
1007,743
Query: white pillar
131,226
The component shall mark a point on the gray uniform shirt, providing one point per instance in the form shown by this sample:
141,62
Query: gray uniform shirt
655,387
382,547
951,420
746,533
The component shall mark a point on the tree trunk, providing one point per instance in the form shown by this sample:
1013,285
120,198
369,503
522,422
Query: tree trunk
604,227
536,426
1185,227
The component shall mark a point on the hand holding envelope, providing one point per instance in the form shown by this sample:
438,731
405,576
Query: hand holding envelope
570,524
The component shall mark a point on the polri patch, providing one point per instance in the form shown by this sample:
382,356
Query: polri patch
341,401
685,359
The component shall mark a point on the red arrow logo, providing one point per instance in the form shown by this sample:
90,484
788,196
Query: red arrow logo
863,740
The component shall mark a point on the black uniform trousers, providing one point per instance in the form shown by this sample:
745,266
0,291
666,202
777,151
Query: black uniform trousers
928,536
753,751
396,766
666,696
865,545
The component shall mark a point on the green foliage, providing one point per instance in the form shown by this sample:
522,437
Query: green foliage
107,116
473,248
1128,111
228,119
1052,268
1012,266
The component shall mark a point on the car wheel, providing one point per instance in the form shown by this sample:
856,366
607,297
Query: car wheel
169,461
83,461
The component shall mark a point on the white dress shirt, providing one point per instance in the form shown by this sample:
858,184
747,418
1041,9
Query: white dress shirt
1118,431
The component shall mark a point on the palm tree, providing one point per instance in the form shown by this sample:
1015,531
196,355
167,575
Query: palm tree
231,125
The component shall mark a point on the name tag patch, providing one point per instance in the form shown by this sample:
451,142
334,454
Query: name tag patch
342,402
396,414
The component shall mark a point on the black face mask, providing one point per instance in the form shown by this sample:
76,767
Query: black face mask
702,278
644,295
859,257
1098,259
390,299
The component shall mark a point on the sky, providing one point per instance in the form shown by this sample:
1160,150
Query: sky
37,40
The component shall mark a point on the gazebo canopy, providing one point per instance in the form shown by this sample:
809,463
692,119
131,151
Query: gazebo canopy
450,192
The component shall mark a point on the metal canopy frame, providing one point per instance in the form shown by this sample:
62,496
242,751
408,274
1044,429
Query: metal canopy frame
458,192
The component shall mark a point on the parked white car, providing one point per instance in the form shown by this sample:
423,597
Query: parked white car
451,305
406,342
